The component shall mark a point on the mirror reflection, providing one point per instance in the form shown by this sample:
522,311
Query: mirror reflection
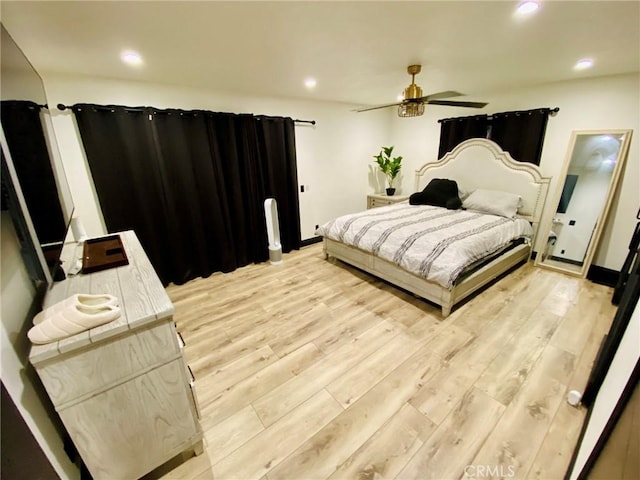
590,176
30,152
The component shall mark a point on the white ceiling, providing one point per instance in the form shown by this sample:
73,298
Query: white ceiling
357,51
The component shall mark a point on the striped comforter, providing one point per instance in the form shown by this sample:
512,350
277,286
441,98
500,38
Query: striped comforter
432,242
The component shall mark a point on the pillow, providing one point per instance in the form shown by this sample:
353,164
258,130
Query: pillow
462,193
439,193
493,202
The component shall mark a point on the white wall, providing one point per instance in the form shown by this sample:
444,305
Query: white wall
333,156
18,295
591,104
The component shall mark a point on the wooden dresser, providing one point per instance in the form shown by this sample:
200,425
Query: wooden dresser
122,390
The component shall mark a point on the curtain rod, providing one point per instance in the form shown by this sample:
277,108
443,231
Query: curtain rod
64,107
552,112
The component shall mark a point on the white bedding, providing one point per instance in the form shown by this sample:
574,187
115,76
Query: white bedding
432,242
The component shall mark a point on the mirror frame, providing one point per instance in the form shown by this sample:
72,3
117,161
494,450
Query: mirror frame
602,217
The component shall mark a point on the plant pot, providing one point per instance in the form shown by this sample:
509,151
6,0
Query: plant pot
391,191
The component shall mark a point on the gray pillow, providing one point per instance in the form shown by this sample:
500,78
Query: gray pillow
493,202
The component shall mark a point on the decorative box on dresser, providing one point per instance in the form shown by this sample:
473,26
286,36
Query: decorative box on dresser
374,200
123,389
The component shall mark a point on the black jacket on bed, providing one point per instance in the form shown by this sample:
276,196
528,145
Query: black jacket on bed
439,193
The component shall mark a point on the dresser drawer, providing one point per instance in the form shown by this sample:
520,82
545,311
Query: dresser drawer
134,429
374,201
102,365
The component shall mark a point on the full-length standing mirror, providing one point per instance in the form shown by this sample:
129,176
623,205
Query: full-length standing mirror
588,182
34,183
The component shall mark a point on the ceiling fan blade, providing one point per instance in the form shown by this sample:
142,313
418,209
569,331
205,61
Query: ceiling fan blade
366,109
454,103
447,94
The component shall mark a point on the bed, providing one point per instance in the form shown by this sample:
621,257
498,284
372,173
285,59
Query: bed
476,165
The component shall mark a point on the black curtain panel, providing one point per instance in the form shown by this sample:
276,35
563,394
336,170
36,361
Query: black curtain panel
521,133
122,157
192,183
26,141
456,130
276,143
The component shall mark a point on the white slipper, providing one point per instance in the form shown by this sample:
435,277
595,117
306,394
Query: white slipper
85,299
74,319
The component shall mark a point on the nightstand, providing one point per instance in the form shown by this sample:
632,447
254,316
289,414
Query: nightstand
374,200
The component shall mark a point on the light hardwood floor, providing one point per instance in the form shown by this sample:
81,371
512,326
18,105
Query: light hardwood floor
314,370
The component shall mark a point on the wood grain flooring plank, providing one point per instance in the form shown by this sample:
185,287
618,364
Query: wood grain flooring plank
231,373
226,437
312,324
507,372
386,453
515,441
241,394
463,366
205,355
411,312
488,304
599,328
440,394
323,453
354,322
269,448
447,341
571,334
284,398
356,382
185,469
563,297
557,447
457,440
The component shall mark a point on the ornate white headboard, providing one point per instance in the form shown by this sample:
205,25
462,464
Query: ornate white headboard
480,163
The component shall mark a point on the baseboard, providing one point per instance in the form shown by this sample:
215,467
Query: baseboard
603,276
566,260
600,275
310,241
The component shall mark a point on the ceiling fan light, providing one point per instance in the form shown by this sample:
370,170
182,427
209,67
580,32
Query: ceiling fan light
412,109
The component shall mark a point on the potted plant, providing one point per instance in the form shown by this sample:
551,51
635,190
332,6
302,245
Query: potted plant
389,165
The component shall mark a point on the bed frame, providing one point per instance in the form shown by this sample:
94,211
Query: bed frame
475,163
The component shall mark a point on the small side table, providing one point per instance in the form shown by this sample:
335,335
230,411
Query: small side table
375,200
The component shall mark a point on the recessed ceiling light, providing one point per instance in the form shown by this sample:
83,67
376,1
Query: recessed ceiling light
310,83
131,57
527,7
583,64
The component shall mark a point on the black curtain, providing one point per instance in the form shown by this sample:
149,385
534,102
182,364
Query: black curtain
519,133
26,141
192,183
456,130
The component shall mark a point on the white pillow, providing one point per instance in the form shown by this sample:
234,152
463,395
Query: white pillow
462,193
493,202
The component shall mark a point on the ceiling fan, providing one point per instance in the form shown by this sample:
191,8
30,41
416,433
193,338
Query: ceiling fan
413,103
